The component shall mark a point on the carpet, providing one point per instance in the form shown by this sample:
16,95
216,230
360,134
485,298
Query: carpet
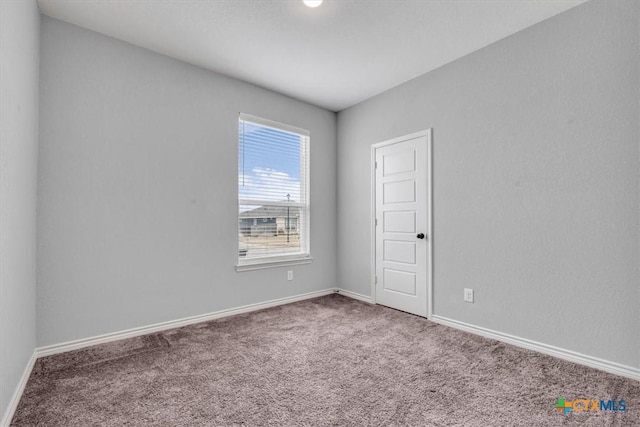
330,361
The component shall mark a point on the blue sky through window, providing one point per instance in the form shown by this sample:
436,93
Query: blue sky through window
268,163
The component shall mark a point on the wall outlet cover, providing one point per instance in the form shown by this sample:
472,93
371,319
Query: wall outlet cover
468,295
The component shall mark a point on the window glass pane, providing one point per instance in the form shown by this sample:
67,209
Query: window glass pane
273,206
269,231
269,164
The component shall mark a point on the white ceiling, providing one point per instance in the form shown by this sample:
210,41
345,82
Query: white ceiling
333,56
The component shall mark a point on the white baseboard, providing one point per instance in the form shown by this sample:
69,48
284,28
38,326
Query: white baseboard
560,353
172,324
17,394
354,295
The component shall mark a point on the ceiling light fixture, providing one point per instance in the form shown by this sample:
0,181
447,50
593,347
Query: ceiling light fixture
312,3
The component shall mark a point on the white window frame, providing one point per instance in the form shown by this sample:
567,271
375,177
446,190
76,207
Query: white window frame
304,257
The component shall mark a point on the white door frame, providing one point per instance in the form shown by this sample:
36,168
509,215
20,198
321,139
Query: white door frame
428,133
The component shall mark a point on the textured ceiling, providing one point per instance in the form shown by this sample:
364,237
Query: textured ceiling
333,56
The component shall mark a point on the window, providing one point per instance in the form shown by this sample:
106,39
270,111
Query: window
273,193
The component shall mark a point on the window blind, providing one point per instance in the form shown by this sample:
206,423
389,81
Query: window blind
273,199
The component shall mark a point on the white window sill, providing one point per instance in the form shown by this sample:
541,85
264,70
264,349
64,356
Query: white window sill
261,264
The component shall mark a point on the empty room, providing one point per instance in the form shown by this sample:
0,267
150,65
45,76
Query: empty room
320,213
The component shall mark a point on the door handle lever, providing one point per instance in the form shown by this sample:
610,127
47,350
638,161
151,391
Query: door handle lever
420,236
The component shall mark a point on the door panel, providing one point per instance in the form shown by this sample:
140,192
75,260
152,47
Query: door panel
400,281
399,192
402,196
403,161
400,251
399,222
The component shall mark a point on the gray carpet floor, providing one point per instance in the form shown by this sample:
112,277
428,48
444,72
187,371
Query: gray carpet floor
330,361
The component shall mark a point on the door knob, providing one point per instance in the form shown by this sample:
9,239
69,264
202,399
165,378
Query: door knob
420,236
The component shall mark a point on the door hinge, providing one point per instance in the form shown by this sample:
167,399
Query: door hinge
376,165
376,280
376,222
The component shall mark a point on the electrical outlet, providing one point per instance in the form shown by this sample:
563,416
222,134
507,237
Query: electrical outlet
290,275
468,295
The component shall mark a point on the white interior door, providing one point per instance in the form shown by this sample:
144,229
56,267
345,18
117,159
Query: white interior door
402,223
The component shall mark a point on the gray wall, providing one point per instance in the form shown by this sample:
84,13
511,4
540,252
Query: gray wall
19,50
536,181
137,204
